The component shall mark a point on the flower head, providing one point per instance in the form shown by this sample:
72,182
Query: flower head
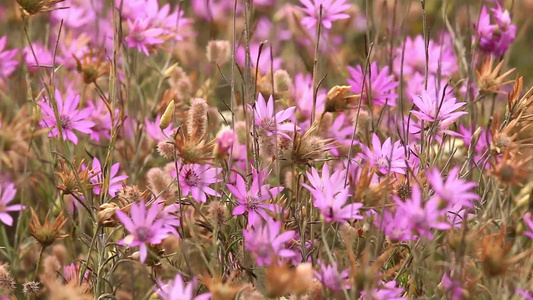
528,219
115,182
69,116
144,227
332,10
495,37
7,194
176,289
266,241
453,190
331,278
7,62
386,157
330,195
268,121
255,200
378,84
195,179
142,35
435,109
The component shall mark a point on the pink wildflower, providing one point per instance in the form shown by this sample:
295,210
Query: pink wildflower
378,84
265,241
495,38
115,182
434,109
270,123
528,219
8,64
195,179
332,10
142,35
255,200
331,278
144,227
454,190
386,157
71,118
177,289
7,194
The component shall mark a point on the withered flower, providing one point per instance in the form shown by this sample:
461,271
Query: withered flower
91,68
337,99
510,169
106,215
517,106
309,147
47,233
32,7
504,139
69,180
489,82
220,289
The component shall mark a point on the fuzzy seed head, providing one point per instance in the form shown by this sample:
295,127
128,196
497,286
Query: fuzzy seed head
282,82
197,119
218,52
31,288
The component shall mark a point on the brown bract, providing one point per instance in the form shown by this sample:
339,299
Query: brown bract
489,80
32,7
47,233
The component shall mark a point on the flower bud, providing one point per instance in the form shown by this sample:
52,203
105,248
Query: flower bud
282,81
167,116
218,52
106,215
225,139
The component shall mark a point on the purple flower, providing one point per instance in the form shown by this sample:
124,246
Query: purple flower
264,64
142,35
332,10
270,123
255,200
7,194
453,287
144,227
434,109
330,195
115,182
44,57
422,216
382,155
176,289
101,119
265,241
341,130
195,179
387,291
303,95
378,84
331,278
528,219
79,14
153,130
225,140
7,62
71,118
527,295
441,59
395,226
495,38
454,190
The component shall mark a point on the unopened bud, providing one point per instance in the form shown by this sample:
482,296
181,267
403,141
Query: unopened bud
170,70
167,116
282,81
336,99
106,215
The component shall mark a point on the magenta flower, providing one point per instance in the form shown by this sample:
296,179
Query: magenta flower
341,130
441,58
378,84
387,291
434,109
495,38
270,123
195,179
422,216
71,118
72,272
142,35
386,157
7,194
153,130
44,57
255,200
454,190
303,95
115,182
101,119
453,287
265,241
330,195
332,10
144,227
528,219
176,289
395,226
225,140
8,64
264,64
331,278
